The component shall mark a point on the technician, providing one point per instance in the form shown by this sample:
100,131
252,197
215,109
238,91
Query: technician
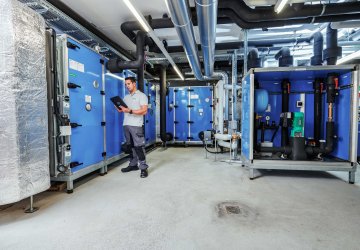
137,103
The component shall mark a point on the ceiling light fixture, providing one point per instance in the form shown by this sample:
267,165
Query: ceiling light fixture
152,34
355,55
139,17
280,4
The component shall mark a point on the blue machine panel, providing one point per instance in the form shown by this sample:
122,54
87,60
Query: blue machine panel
170,112
200,111
150,121
181,100
114,132
246,118
151,115
85,70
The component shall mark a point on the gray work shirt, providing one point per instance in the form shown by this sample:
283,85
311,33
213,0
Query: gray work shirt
135,101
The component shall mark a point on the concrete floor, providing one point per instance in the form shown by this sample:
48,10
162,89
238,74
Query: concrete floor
177,208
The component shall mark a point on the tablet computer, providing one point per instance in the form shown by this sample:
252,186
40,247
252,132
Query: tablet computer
118,101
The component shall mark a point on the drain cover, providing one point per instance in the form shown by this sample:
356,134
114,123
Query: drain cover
235,209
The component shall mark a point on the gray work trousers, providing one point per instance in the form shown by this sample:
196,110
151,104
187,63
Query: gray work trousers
135,136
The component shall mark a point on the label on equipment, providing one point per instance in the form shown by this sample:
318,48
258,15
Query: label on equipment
88,98
76,66
194,96
207,100
201,110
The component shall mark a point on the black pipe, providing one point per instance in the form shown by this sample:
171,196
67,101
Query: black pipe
284,57
253,59
329,145
318,83
89,26
140,78
285,91
331,93
279,23
332,51
236,45
318,49
163,104
331,85
117,66
263,14
262,127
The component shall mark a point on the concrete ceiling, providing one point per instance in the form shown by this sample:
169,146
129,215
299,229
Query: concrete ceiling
108,15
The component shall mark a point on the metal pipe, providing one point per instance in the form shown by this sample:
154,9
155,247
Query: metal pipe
207,18
234,83
181,17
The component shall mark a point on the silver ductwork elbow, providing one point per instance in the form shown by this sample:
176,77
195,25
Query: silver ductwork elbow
181,17
207,19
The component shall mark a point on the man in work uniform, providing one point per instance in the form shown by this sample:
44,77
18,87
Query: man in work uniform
137,103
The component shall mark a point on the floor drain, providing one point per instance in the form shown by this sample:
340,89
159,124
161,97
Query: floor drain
235,209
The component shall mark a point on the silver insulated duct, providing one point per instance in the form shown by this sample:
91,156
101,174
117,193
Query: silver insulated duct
207,17
181,17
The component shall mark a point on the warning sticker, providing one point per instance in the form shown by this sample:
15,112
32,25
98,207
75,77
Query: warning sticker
76,66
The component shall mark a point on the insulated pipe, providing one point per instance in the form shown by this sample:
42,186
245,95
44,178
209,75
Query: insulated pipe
233,90
332,51
285,91
317,109
267,13
331,93
284,57
253,59
318,49
181,17
207,18
232,145
220,106
117,66
163,104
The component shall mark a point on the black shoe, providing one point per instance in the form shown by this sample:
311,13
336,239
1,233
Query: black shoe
144,173
129,168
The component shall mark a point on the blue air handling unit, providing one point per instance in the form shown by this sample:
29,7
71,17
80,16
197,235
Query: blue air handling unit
114,86
150,117
189,112
294,90
80,120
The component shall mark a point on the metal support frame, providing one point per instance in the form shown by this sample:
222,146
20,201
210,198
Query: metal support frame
245,32
31,209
